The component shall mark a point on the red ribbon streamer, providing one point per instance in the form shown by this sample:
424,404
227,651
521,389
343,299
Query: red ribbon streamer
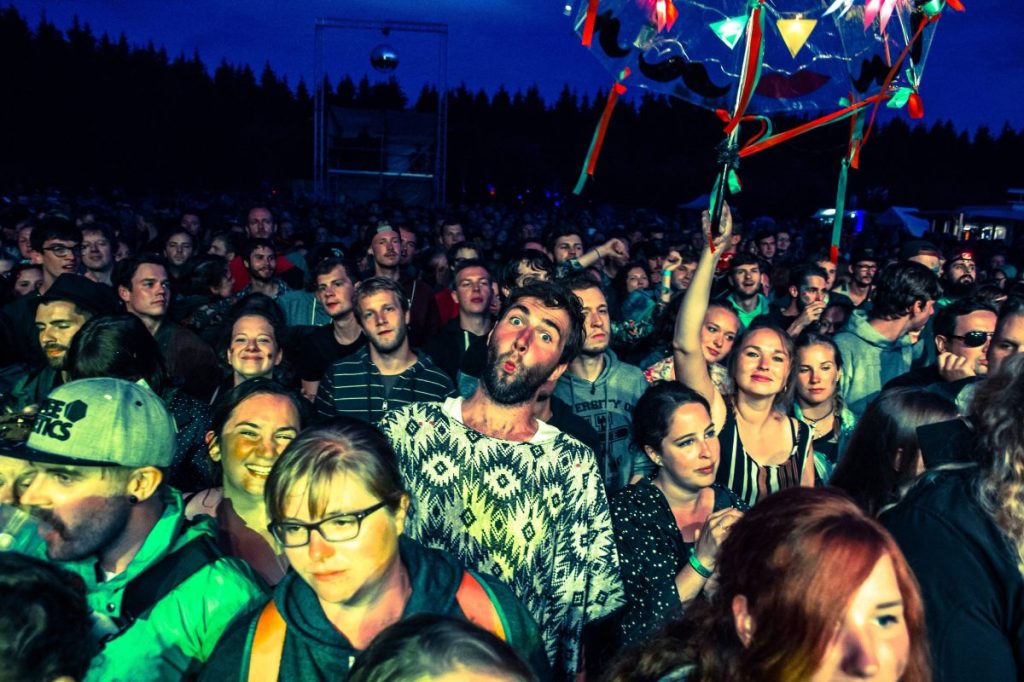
602,127
754,146
895,69
752,69
588,25
915,107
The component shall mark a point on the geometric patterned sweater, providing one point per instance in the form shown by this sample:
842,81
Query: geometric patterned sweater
533,514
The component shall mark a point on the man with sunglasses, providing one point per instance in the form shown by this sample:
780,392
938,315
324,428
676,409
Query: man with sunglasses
963,334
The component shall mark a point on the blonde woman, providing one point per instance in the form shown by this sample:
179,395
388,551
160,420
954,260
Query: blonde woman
763,450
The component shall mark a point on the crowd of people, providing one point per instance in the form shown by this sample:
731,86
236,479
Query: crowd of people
292,443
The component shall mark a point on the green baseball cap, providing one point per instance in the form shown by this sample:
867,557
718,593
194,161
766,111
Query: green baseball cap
102,422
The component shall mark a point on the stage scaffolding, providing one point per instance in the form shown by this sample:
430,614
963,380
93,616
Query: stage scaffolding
388,153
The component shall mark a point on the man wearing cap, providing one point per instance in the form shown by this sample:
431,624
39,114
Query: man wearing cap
385,254
923,252
99,448
959,276
863,267
68,304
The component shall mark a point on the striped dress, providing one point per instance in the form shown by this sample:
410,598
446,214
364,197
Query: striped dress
749,480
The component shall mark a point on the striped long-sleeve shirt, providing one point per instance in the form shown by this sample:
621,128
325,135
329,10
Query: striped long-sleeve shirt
354,387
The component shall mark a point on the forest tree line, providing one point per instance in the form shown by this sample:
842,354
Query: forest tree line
83,110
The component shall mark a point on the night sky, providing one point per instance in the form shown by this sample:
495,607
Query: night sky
974,74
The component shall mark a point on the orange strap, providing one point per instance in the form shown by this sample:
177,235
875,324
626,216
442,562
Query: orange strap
476,603
268,639
267,645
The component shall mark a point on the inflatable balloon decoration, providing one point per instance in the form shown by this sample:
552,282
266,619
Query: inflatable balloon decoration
745,59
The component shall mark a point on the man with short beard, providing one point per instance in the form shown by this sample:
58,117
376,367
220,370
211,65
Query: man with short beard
57,247
68,304
602,389
98,451
386,373
959,277
260,224
179,244
260,260
508,494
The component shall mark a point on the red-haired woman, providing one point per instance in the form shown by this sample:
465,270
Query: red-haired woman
809,588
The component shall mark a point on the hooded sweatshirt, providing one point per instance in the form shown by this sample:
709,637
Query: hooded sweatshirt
316,650
607,404
869,361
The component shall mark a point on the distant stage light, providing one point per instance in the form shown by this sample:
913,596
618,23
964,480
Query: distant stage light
384,59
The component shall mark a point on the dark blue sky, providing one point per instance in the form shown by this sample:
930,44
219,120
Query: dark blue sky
974,74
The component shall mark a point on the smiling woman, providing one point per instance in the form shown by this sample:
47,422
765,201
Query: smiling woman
252,424
762,449
253,347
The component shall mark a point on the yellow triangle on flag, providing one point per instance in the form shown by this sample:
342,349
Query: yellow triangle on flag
795,32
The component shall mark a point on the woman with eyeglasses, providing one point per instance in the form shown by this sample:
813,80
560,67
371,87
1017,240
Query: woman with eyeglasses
337,509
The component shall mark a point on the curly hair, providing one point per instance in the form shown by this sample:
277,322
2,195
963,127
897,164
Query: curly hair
998,414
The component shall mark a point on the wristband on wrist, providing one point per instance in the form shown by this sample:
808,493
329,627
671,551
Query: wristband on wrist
666,273
696,565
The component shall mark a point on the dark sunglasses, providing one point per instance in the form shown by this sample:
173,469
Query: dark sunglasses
974,339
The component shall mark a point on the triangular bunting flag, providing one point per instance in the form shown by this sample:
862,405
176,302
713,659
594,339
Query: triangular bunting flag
795,32
730,30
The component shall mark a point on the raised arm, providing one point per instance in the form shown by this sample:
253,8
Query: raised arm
672,263
688,358
613,248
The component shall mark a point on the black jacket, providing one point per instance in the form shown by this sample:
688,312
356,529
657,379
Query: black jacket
447,347
973,591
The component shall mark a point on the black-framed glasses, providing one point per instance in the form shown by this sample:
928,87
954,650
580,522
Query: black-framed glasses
59,250
337,528
974,339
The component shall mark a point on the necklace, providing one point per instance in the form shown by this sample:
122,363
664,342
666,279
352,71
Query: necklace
813,423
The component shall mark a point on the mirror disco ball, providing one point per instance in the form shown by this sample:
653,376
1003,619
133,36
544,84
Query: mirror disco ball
384,58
